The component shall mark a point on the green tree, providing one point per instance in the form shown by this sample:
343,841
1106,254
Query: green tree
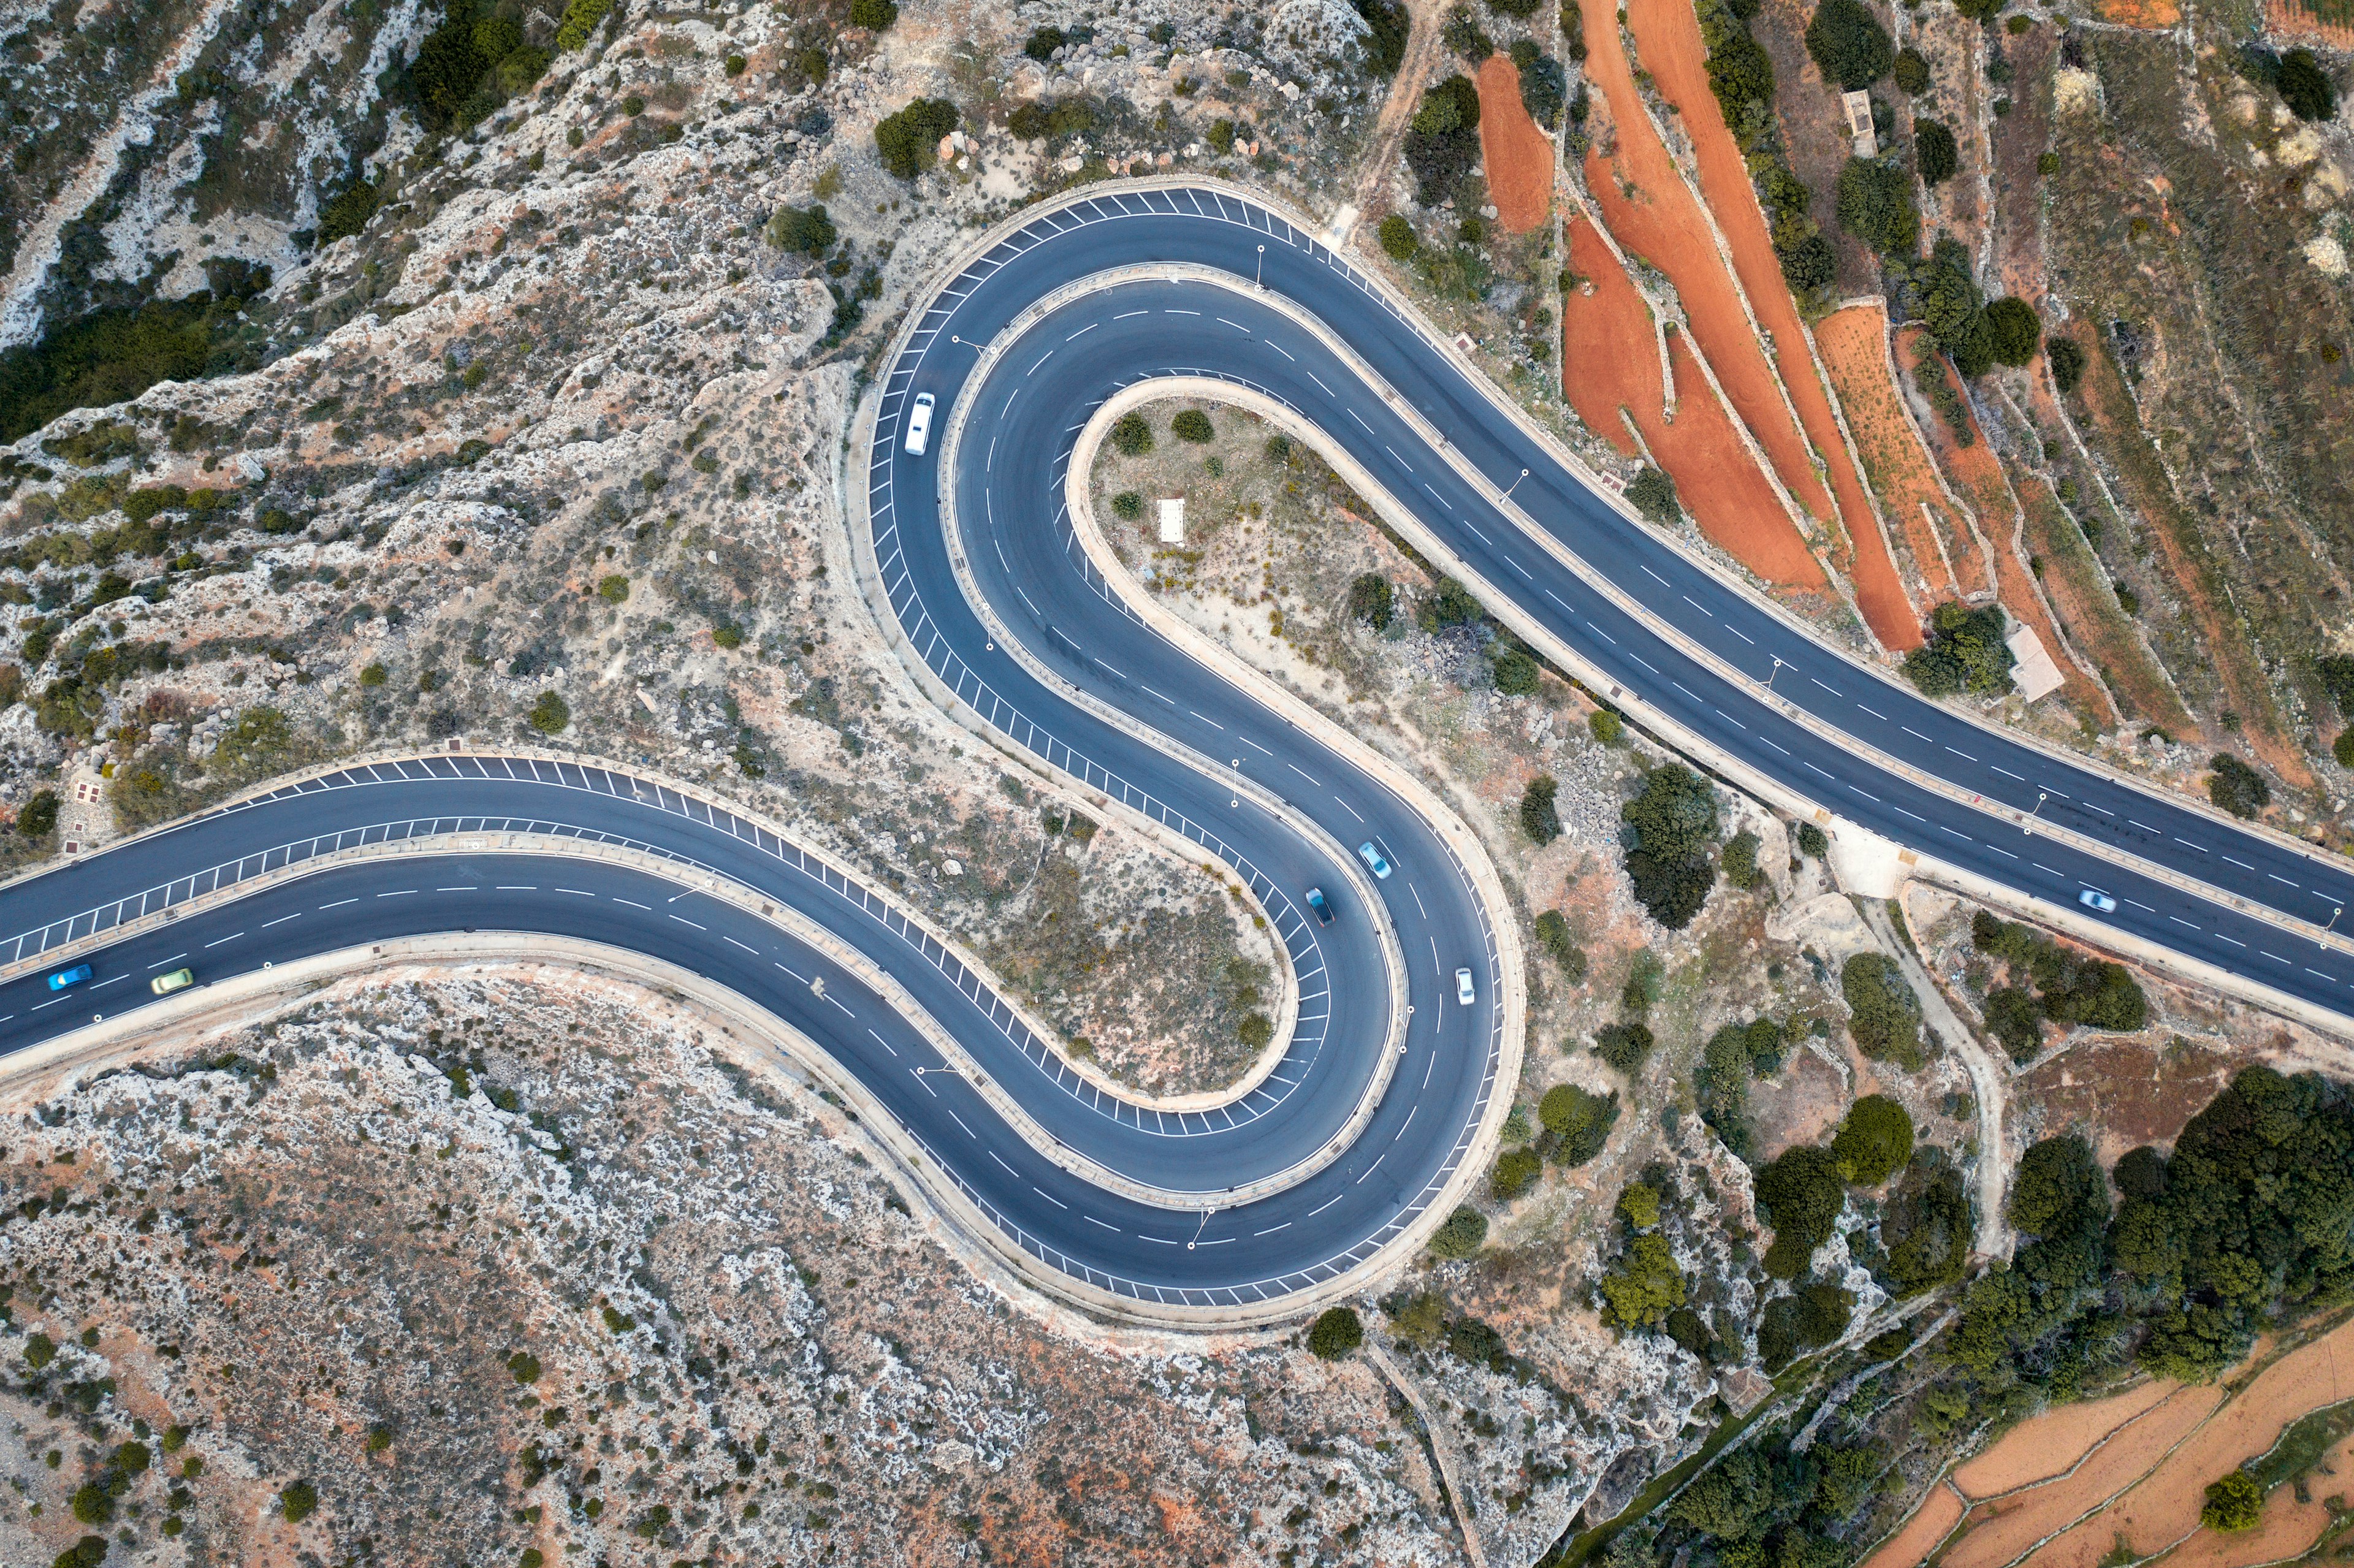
1539,818
2306,88
1967,651
1461,1235
1193,424
1335,1333
1447,106
1606,726
1399,241
1580,1120
2016,330
1849,44
1935,152
2014,1020
1813,842
1544,86
1911,69
909,140
1671,828
1127,506
551,715
1653,495
1875,205
877,15
2236,787
1884,1015
1517,672
1800,1194
1387,31
1643,1286
2236,1502
1924,1231
299,1503
806,230
1874,1141
1739,860
37,817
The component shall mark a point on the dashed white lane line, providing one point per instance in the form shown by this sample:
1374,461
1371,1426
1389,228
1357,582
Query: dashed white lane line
1742,635
885,1043
2090,807
968,1131
108,981
1698,606
745,946
1655,576
2234,940
1106,1224
1278,348
1142,688
1998,768
1048,1196
2188,845
2311,971
1410,887
282,920
1272,1229
1827,686
2180,921
457,890
2145,827
2040,866
1305,774
2272,955
576,893
405,892
208,946
631,903
1348,808
1002,1165
685,921
2244,865
1319,382
1206,719
2276,876
1957,833
1255,746
1376,1165
1324,1205
795,973
502,888
174,959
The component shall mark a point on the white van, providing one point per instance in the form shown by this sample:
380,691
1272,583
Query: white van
919,424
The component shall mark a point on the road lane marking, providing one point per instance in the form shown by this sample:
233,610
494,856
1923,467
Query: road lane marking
108,981
745,946
1348,808
2188,845
404,892
1325,1205
631,903
2180,921
885,1043
1305,774
2244,865
1112,1228
209,946
1827,686
1656,576
2276,877
339,903
1998,768
282,920
685,921
1253,745
174,959
1272,1229
1048,1196
2145,827
575,893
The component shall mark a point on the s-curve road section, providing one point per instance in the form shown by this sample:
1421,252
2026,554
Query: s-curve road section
1199,280
1388,1081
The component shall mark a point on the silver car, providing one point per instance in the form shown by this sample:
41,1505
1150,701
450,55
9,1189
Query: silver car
1464,993
2094,898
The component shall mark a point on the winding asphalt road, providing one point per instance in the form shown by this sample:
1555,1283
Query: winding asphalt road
1037,643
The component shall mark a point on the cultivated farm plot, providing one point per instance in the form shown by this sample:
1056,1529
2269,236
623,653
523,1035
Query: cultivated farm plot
1518,157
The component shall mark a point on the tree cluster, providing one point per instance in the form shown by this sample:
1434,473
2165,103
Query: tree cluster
1387,28
1741,76
1544,86
474,63
909,141
1883,1014
1671,831
1966,653
1849,44
1442,142
2070,990
1875,205
2236,787
1732,1056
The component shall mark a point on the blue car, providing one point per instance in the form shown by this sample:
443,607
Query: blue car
1316,902
1373,859
74,976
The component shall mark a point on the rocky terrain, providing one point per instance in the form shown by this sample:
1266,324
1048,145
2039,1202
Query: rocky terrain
380,374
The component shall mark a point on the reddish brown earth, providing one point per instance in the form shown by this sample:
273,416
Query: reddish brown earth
2050,1443
1610,361
1651,212
1518,157
1918,1536
2284,19
1976,473
1668,33
1855,351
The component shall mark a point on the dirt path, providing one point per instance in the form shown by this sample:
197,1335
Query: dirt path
1422,52
1518,156
1667,32
1987,1083
1610,361
1854,344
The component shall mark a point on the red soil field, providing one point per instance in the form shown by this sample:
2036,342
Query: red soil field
1976,475
1918,1536
1854,348
1610,360
1518,157
2049,1445
2285,19
1668,33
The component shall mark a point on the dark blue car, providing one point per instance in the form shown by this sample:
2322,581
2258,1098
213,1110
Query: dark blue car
1316,902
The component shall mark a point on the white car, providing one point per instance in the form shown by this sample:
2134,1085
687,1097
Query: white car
919,424
1463,991
2094,898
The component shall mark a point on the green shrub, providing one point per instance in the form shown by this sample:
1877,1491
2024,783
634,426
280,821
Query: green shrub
2065,356
1911,70
1645,977
1606,726
1042,43
1128,506
1638,1206
1849,44
1256,1031
90,1550
1193,424
1387,31
613,588
1460,33
1130,436
1554,936
551,715
1544,86
2016,330
299,1503
373,675
1221,137
1734,1054
2342,749
1335,1333
1624,1045
1653,495
1372,600
1874,1141
806,230
1884,1015
37,818
2236,787
876,14
1875,205
1539,818
1516,1170
523,1367
1398,239
734,64
2234,1503
1580,1121
2015,1021
909,140
1461,1235
348,211
1935,152
727,634
1517,672
93,1502
39,1350
1739,860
